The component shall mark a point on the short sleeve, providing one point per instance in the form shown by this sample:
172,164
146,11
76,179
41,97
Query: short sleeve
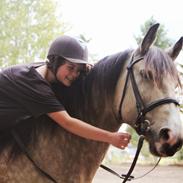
27,88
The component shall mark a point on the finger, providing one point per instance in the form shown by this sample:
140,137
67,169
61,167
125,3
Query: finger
126,139
124,144
125,135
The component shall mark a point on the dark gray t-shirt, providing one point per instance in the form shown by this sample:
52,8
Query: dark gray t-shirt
24,94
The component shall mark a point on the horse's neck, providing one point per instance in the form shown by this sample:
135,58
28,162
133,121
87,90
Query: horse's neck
105,86
87,101
124,98
92,98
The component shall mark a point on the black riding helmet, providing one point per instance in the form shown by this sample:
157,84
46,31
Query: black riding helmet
66,48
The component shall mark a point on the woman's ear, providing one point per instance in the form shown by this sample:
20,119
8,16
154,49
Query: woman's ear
89,67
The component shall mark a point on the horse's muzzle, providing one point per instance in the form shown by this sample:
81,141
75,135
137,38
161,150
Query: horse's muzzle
170,150
167,145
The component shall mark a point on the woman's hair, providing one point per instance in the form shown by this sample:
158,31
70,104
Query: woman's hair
54,62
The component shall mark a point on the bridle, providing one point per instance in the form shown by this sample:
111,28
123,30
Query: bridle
142,125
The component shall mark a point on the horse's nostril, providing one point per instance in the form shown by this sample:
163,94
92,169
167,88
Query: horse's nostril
164,134
170,150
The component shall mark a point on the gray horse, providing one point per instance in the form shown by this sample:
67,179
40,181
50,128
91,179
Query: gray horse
106,100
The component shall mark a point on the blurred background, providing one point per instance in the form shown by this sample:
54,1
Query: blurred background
28,26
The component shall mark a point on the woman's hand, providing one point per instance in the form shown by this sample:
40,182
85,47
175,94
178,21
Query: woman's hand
120,139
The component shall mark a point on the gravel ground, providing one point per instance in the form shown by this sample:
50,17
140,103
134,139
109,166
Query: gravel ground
161,174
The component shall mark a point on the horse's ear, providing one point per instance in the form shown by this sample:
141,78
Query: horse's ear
175,50
149,38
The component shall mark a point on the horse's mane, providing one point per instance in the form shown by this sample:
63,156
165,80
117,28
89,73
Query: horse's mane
106,72
160,65
90,94
103,77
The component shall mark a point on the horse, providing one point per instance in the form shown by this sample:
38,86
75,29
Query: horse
136,87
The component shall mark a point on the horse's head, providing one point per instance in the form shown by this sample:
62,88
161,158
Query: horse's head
149,103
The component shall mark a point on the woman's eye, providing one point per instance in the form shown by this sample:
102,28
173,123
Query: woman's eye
70,68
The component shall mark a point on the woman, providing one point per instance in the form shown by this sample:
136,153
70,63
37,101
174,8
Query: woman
26,91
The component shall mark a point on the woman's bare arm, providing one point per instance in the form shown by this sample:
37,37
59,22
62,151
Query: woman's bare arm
82,129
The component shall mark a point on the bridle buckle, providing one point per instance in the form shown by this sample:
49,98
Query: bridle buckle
145,125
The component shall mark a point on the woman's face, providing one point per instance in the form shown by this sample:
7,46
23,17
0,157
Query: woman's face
69,72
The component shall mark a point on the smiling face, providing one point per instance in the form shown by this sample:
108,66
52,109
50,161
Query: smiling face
69,72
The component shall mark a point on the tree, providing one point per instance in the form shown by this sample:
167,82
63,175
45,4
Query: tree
27,27
161,41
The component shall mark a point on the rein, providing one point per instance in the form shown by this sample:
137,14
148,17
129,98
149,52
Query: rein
142,125
128,176
27,153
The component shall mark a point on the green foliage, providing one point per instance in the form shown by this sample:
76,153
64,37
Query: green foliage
27,27
179,155
84,38
161,40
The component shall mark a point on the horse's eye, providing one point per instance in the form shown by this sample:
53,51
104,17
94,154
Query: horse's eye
146,74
